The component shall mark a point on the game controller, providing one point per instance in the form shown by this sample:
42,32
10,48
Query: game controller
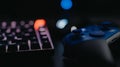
91,44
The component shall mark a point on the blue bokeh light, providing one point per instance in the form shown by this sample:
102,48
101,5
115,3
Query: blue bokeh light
66,4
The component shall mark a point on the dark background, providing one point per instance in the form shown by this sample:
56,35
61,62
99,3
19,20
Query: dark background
52,7
83,12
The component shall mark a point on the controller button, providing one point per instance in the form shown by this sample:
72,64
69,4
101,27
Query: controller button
76,31
79,31
97,33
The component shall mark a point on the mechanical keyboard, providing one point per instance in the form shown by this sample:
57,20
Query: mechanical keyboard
18,37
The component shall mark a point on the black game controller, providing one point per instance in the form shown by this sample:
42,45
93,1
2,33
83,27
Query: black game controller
91,44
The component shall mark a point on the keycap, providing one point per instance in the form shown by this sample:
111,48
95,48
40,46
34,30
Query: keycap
46,43
35,45
12,48
2,48
24,46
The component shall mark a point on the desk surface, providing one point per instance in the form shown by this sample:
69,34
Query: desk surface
56,60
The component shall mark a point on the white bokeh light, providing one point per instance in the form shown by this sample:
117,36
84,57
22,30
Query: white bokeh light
61,23
73,28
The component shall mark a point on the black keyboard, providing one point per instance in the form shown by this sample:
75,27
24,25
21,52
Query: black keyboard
18,37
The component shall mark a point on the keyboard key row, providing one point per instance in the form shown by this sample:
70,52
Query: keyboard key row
21,36
15,47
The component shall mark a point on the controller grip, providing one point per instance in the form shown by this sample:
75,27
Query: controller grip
94,52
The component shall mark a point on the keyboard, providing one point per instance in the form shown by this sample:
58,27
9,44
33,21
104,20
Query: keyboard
21,37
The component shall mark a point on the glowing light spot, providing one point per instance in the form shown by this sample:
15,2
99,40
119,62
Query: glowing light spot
39,23
83,29
61,23
66,4
73,28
